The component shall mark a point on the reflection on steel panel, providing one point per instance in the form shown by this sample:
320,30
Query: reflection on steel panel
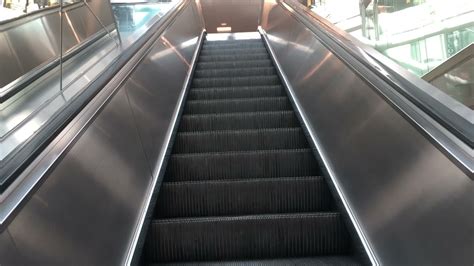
459,82
30,105
28,44
455,76
99,188
38,40
88,208
412,204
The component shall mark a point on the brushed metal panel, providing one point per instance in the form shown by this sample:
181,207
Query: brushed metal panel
9,71
8,251
102,9
28,43
412,204
79,24
92,193
155,87
87,209
241,15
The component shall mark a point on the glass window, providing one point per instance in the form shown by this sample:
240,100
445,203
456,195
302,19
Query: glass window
419,35
457,81
10,9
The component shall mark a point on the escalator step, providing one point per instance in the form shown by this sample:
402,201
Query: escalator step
235,72
237,105
246,237
236,81
232,121
210,46
242,57
232,42
234,64
236,92
240,140
235,51
243,197
316,261
242,164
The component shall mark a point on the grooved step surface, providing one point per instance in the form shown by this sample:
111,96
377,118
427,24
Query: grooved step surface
243,197
232,51
229,46
251,237
235,72
236,81
235,92
242,185
237,105
315,261
241,57
230,121
232,42
246,164
239,140
235,64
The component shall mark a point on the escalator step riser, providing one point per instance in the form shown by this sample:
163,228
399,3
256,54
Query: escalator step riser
235,72
234,64
319,261
249,237
209,47
235,92
232,42
234,121
243,197
242,57
240,140
237,105
236,81
235,51
242,165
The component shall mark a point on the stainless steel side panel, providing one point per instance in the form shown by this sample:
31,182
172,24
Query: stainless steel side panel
240,15
410,203
88,208
28,43
155,87
26,46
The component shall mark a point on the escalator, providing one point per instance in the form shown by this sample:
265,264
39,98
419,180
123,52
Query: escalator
179,151
242,184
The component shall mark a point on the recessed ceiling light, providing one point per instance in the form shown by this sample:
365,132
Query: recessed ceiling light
224,29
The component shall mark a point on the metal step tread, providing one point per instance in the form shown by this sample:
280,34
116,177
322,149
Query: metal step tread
239,140
241,57
238,50
316,261
235,72
237,105
242,120
234,64
243,197
247,237
242,164
236,81
235,92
